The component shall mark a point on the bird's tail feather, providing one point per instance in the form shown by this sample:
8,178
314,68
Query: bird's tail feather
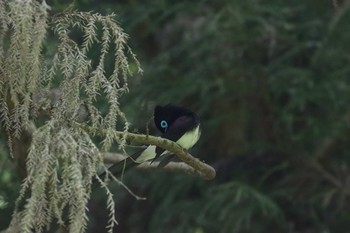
165,160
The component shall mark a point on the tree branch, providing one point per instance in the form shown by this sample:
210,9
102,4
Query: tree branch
203,169
115,158
206,171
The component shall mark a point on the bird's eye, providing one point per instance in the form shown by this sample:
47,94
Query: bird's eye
163,124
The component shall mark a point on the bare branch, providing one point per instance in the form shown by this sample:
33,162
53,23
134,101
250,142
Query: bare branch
115,158
205,171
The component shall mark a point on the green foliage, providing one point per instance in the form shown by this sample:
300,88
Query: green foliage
22,33
62,157
9,186
188,204
3,203
268,78
65,157
240,207
270,82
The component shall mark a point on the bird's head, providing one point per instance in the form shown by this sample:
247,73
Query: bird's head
165,116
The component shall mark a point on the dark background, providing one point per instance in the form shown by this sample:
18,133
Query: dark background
270,81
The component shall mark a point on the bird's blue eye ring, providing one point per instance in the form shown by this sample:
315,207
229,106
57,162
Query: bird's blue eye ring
163,124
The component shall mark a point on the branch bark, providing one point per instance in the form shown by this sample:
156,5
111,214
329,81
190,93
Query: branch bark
206,171
115,158
203,169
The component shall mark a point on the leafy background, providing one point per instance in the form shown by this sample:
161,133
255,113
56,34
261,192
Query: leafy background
270,82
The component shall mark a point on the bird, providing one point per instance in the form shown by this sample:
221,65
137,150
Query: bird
176,123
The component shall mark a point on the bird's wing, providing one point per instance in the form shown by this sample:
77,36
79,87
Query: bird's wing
148,154
176,130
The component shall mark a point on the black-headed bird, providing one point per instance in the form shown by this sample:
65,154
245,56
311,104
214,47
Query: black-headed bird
176,123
